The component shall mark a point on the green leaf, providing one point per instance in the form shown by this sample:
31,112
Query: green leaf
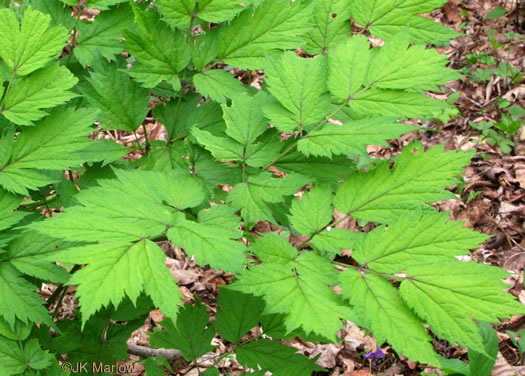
415,239
332,240
205,49
28,46
398,66
60,14
211,372
273,26
379,305
180,118
448,297
299,288
347,67
177,13
99,341
331,25
117,270
16,360
352,137
265,151
416,179
27,253
495,13
237,314
8,201
372,81
104,150
160,52
103,36
209,244
481,364
218,85
221,148
244,118
151,200
299,85
19,332
313,212
271,248
396,103
155,366
320,169
121,102
50,145
29,96
221,10
123,262
100,4
387,18
253,196
222,217
281,360
21,298
190,334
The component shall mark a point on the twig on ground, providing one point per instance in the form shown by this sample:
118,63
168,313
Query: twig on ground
170,354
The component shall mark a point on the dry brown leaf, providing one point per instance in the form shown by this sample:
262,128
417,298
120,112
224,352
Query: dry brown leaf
503,368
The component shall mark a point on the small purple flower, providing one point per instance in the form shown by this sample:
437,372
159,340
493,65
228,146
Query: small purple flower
378,354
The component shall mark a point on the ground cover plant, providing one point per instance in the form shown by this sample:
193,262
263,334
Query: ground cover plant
250,181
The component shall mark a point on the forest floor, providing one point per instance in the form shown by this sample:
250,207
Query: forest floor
491,198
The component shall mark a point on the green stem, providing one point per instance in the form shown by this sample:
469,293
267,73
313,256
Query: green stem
39,203
370,271
331,224
74,39
7,90
319,125
146,138
59,289
179,100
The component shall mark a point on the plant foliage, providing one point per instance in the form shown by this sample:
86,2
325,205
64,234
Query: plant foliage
232,156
